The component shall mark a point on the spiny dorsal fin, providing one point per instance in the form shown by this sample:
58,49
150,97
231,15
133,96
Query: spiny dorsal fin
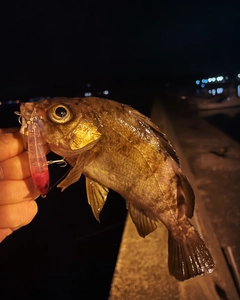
97,196
162,136
144,224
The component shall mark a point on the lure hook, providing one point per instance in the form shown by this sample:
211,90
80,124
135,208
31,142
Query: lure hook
19,116
58,161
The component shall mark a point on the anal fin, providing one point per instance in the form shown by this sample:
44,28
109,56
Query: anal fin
144,223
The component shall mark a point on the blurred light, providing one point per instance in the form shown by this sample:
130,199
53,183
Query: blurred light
197,81
106,92
238,75
213,92
209,91
219,90
219,78
0,103
213,79
228,98
226,77
202,85
88,85
209,79
204,80
238,90
10,102
87,94
17,101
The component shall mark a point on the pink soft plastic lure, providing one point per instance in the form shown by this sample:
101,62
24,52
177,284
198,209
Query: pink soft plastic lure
37,158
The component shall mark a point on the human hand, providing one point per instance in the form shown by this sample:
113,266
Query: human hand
17,191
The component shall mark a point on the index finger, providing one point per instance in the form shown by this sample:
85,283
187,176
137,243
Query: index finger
11,144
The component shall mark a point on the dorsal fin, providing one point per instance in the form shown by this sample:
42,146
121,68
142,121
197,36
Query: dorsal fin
162,136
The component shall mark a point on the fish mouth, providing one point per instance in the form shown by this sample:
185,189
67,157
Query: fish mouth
26,114
26,110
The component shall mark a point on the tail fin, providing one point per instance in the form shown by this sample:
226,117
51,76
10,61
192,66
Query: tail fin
188,257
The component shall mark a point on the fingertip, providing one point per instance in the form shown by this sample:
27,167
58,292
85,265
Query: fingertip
31,211
4,233
17,215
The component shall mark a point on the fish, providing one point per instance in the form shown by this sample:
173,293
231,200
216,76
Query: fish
117,148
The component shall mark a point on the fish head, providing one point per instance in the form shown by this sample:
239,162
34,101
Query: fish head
63,124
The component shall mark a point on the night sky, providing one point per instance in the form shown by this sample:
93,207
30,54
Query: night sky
60,42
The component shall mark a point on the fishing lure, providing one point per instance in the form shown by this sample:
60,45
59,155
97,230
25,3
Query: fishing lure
37,158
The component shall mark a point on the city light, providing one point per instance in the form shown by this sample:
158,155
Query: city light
106,92
87,94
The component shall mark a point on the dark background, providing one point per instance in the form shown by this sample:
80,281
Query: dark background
56,47
131,48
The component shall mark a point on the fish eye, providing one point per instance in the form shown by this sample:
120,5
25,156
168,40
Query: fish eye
59,114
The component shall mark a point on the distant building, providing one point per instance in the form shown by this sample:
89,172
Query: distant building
213,86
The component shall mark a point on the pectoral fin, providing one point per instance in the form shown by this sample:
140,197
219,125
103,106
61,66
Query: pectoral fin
144,224
97,196
76,172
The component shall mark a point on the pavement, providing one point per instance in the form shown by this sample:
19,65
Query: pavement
141,270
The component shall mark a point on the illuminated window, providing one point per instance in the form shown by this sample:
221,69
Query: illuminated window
219,78
219,90
238,90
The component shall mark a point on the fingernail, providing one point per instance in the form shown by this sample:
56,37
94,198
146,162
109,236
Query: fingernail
1,173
